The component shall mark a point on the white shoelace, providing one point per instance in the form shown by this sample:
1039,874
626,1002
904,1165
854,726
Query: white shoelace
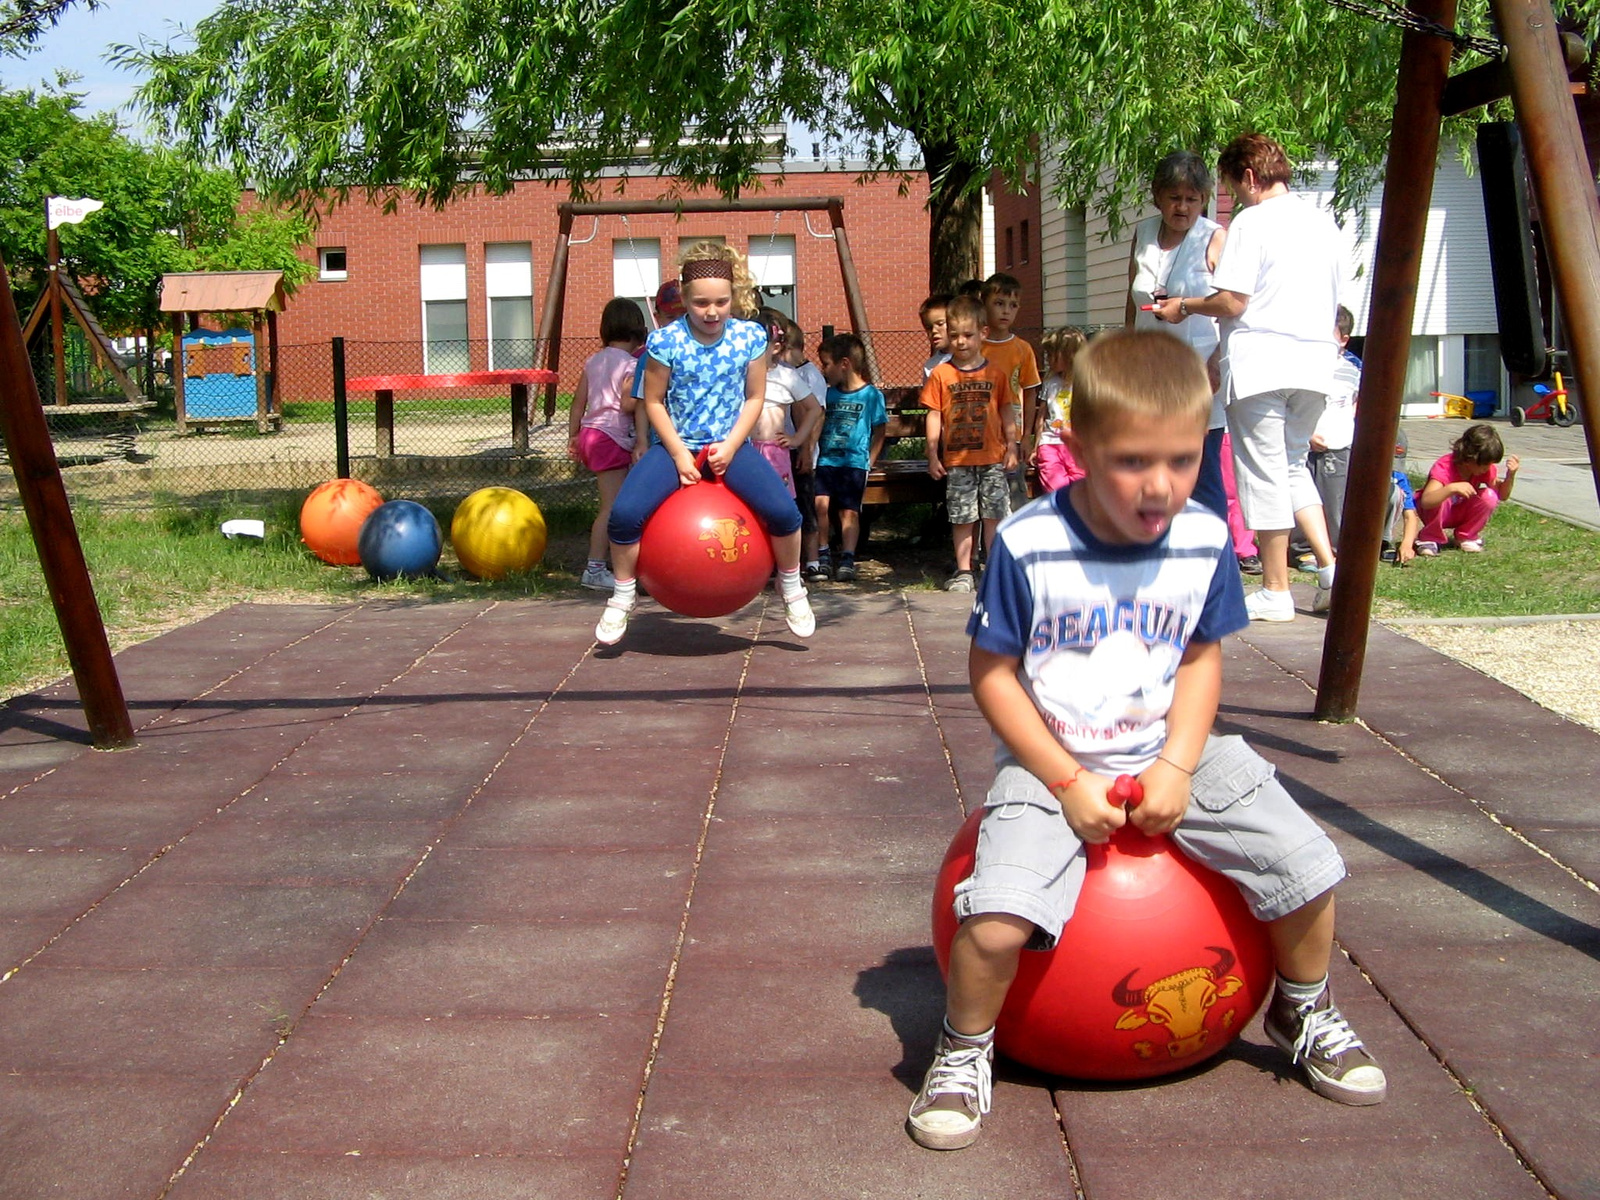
963,1071
1324,1032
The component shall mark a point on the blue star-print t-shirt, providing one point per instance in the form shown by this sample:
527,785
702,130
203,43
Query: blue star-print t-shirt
706,391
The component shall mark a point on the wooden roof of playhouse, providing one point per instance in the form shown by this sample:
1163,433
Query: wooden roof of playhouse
222,291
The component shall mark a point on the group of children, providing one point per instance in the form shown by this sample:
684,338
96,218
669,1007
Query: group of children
1117,432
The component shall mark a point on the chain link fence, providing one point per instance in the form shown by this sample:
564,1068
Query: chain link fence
446,442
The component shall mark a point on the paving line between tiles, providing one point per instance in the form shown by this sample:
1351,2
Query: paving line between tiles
933,711
688,906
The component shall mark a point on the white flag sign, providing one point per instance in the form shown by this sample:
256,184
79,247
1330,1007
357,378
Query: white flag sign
62,211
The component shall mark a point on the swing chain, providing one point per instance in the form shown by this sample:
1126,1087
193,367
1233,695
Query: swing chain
1392,12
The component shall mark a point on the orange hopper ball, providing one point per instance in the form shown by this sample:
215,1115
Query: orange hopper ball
331,519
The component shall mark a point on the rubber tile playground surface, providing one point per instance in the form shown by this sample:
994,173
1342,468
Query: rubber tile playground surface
442,901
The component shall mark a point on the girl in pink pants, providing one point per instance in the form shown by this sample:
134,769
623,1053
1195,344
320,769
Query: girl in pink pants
1463,489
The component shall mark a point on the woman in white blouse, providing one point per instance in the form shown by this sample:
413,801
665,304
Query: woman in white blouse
1274,294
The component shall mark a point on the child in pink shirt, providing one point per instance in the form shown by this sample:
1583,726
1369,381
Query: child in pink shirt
1463,489
601,433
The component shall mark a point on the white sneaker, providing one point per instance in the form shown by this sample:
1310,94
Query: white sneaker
1322,598
1264,605
598,579
613,624
797,612
1470,545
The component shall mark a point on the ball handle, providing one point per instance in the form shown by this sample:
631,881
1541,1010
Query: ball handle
1126,792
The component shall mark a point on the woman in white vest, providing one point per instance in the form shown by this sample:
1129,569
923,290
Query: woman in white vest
1275,291
1173,254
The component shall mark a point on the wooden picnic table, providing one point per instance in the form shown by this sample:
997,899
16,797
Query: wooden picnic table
383,388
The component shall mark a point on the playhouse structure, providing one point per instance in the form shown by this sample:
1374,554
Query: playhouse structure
227,376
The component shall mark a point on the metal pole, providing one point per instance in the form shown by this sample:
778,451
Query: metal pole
1407,190
66,573
341,413
1564,185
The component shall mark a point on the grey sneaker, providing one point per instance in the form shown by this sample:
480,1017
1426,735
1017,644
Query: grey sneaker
846,571
961,581
598,579
948,1112
1320,1041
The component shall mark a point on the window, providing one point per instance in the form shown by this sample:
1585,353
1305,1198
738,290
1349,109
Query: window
331,263
444,310
508,280
1011,256
1482,362
1023,239
772,267
636,273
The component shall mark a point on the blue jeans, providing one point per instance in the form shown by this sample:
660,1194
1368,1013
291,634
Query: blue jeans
655,477
1209,489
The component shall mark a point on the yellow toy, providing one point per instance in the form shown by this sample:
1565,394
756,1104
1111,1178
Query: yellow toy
497,531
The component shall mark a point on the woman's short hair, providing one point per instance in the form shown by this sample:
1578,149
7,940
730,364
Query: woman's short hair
1258,153
1182,169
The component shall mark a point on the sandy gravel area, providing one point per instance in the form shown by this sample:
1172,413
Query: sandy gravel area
1555,663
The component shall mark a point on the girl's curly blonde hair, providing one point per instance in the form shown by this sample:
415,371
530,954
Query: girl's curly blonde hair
744,284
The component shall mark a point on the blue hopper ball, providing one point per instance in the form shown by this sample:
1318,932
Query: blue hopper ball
400,538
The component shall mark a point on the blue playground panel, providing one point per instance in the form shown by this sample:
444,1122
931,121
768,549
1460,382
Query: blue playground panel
219,373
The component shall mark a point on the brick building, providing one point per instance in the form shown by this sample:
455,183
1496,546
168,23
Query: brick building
424,289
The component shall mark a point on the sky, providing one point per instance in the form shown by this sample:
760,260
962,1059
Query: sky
79,43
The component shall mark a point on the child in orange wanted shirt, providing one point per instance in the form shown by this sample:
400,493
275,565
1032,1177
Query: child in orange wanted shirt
972,434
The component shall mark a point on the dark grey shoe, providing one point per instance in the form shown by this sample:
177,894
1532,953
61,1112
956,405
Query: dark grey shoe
1320,1041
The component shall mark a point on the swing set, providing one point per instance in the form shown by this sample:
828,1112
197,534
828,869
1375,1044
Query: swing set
550,320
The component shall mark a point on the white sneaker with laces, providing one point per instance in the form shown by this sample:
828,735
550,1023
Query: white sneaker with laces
797,612
613,624
948,1112
1265,605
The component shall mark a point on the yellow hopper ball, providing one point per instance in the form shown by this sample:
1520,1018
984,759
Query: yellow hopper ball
496,531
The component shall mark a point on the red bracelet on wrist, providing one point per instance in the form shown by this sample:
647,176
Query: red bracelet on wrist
1066,783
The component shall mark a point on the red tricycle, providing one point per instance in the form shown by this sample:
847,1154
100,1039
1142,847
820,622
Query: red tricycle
1551,405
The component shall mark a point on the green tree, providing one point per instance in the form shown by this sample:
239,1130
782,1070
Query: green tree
162,213
22,22
320,97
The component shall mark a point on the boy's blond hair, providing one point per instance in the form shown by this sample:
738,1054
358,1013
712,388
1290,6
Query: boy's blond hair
1144,372
744,283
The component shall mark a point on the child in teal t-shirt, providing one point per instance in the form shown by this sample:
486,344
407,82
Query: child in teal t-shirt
852,436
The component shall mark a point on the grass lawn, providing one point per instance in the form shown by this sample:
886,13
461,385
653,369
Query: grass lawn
155,571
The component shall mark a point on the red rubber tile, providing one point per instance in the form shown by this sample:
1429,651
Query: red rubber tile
152,924
95,1136
583,812
533,885
383,795
720,1135
274,1175
454,1088
251,844
33,821
125,1021
60,884
564,966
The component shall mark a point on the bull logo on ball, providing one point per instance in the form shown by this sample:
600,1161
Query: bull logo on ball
1180,1002
730,537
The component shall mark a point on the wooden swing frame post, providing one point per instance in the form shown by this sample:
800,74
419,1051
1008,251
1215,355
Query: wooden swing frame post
44,500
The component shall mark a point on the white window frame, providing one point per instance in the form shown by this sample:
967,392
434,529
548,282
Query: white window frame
328,274
442,276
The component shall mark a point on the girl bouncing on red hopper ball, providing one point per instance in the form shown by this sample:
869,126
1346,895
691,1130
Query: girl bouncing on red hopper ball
704,387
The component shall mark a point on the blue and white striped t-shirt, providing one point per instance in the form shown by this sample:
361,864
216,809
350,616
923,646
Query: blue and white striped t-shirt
1101,628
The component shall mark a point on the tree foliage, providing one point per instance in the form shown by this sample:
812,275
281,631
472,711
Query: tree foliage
313,97
162,213
23,22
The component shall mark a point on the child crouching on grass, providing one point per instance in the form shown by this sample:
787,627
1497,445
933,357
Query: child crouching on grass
1069,571
1463,490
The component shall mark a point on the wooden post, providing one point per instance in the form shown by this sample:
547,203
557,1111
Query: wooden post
66,573
1563,182
519,418
1407,190
58,328
258,345
274,380
555,299
179,373
383,422
852,286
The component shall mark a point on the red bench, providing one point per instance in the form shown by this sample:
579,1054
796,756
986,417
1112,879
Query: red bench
383,388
